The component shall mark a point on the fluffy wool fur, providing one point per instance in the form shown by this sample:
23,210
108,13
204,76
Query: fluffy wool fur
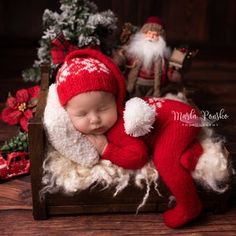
63,136
212,170
62,174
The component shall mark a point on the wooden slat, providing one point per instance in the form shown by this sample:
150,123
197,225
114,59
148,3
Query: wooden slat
37,148
16,194
21,223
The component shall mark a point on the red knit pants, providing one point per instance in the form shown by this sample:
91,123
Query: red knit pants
174,141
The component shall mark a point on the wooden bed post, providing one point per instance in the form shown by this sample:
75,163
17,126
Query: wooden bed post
37,142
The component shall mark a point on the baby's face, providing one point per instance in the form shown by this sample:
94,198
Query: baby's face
92,112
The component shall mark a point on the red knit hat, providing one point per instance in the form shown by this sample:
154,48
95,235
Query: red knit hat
89,70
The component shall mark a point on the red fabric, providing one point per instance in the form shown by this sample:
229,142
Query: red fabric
124,150
149,75
21,107
60,48
89,70
190,157
174,135
154,20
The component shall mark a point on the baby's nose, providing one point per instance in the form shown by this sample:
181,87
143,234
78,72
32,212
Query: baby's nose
95,119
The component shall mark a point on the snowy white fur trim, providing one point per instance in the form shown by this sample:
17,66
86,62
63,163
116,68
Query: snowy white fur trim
138,117
212,170
62,134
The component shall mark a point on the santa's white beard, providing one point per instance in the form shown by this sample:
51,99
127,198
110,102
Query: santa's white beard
147,51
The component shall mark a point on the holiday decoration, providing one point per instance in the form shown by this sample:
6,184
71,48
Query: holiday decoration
148,64
14,164
80,23
21,108
127,31
18,143
14,158
180,59
145,57
60,47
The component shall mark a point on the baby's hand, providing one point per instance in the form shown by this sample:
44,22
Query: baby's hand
99,141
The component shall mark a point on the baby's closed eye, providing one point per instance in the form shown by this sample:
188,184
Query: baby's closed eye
81,114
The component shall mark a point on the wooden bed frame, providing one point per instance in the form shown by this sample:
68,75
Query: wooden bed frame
93,200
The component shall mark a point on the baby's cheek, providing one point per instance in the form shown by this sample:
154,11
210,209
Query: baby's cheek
113,118
78,123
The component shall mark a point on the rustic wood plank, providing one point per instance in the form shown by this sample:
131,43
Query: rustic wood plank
16,193
114,224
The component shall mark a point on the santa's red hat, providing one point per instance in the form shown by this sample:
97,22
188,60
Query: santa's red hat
154,20
153,23
89,70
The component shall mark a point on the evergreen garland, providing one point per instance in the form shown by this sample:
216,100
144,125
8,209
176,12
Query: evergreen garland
18,143
81,24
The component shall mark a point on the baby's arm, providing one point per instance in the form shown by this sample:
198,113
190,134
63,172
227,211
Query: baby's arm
99,142
124,150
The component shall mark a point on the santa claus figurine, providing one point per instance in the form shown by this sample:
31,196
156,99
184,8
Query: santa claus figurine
146,59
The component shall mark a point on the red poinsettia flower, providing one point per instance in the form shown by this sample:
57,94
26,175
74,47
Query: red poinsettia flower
21,108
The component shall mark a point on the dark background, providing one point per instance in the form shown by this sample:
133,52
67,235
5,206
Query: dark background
206,24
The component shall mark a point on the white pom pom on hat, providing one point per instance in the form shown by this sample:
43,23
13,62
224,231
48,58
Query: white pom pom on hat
138,117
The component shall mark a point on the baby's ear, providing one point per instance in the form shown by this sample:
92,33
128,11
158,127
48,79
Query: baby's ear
138,117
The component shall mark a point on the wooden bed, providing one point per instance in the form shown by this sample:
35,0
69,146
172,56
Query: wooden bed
93,200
